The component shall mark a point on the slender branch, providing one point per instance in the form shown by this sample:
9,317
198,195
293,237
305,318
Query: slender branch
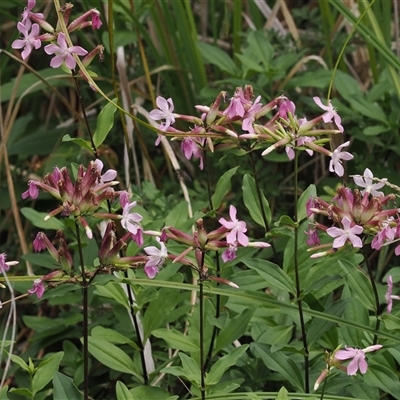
377,303
136,324
85,317
201,327
297,276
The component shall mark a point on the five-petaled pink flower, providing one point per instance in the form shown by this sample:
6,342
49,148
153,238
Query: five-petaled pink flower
156,258
28,12
347,233
37,288
330,114
29,41
366,182
358,361
166,108
109,175
388,296
237,228
335,164
63,52
130,220
250,116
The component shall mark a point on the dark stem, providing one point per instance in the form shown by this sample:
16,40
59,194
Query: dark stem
135,322
85,288
377,303
263,213
297,276
78,91
201,327
217,314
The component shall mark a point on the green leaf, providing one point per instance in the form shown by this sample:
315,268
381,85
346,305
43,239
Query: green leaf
105,122
112,336
113,290
222,188
261,47
45,371
318,326
272,274
383,378
123,392
176,340
149,393
391,322
346,85
250,199
218,57
364,107
375,130
282,394
311,191
20,362
64,388
112,357
233,330
280,363
37,219
79,141
190,369
359,285
223,364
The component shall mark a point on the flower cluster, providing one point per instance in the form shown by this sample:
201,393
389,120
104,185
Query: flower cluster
245,119
354,213
30,26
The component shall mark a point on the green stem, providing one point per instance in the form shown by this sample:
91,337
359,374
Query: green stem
201,327
85,317
377,303
259,197
297,276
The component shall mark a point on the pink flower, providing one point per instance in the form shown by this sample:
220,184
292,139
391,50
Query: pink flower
285,107
29,41
230,253
366,182
191,149
313,238
250,116
156,258
237,229
109,175
32,192
237,105
96,21
335,164
27,12
63,52
166,107
388,296
129,220
330,114
5,265
38,288
358,361
347,233
124,198
39,243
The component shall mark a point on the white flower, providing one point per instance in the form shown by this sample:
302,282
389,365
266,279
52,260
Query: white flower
336,164
366,182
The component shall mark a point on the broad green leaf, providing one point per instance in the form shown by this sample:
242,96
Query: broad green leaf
222,188
375,130
113,290
64,388
363,106
276,335
272,274
37,219
105,122
45,371
20,362
279,362
233,330
283,394
359,284
318,326
149,393
311,191
218,57
22,392
383,378
79,141
190,369
223,364
249,64
261,47
250,199
391,322
112,336
346,85
112,357
123,392
176,340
